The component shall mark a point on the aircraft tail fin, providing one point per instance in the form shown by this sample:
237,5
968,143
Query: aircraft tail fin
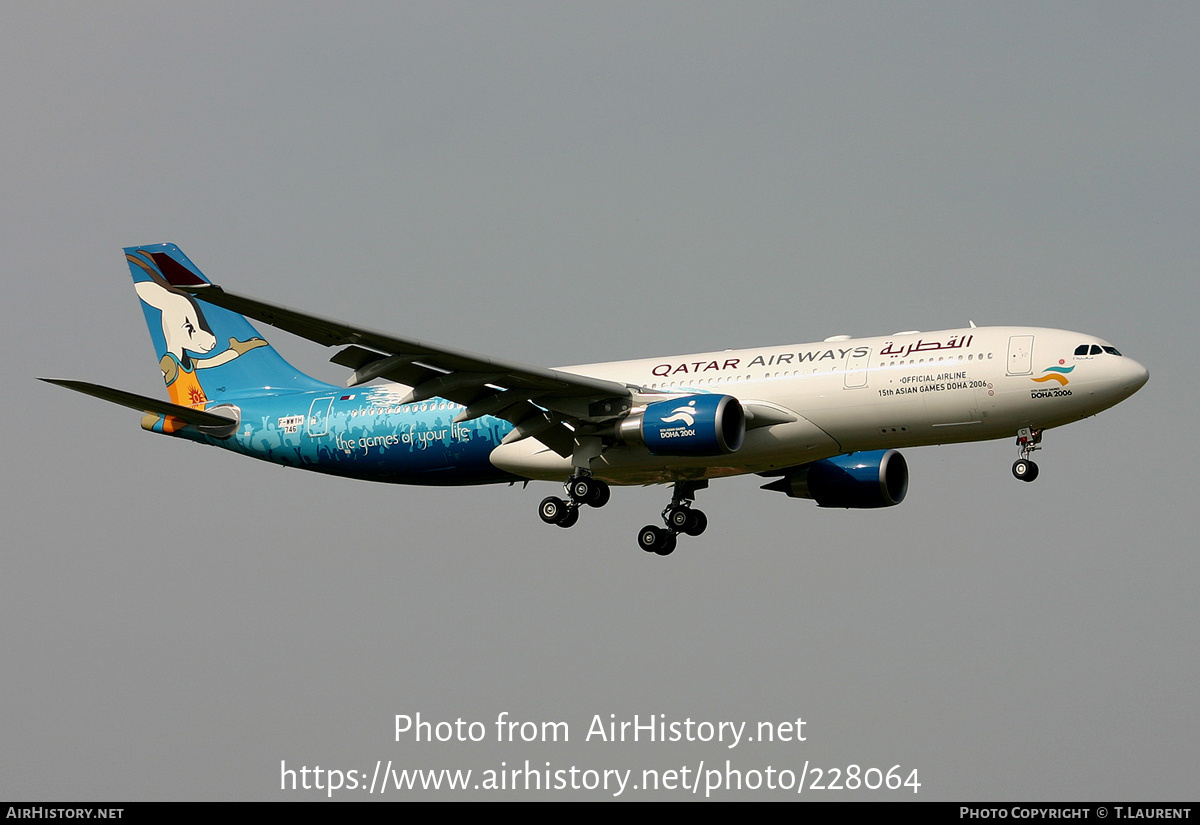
206,353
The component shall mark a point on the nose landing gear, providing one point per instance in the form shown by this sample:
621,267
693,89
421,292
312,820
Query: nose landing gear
1028,440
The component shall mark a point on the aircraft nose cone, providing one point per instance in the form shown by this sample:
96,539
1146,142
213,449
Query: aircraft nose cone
1138,376
1133,377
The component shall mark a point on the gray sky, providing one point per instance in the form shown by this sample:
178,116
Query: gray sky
570,183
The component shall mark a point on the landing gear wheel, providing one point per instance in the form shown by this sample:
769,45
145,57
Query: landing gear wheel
697,523
678,518
601,495
569,518
656,540
1024,469
581,488
553,510
588,490
685,520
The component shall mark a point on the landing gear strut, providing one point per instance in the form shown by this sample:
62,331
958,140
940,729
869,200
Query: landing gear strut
1028,440
581,489
679,517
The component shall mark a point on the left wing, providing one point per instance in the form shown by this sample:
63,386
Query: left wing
551,406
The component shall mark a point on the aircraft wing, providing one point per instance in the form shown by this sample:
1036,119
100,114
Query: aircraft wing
549,405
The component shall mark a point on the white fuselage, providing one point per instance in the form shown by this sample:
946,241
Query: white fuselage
847,395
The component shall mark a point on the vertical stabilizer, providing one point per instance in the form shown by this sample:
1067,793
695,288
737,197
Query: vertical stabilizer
207,354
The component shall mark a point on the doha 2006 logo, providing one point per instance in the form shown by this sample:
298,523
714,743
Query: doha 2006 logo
1051,375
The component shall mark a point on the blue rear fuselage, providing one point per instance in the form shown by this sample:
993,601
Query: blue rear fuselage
363,433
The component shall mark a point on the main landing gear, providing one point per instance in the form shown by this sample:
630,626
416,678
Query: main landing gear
1028,440
581,489
679,517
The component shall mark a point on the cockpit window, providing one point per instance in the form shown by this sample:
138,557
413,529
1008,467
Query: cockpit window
1094,349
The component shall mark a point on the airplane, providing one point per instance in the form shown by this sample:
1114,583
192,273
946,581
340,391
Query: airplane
822,420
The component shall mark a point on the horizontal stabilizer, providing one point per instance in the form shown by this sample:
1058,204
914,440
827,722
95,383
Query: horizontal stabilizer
213,424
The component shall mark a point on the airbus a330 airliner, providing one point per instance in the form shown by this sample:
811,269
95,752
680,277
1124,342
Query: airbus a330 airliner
823,420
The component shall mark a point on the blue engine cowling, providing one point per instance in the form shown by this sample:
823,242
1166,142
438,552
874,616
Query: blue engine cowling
688,425
876,478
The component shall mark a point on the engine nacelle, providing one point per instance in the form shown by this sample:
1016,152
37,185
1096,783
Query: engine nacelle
876,478
688,425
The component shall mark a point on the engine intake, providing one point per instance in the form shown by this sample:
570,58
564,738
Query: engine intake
688,425
875,478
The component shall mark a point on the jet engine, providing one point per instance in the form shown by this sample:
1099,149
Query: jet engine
688,425
876,478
